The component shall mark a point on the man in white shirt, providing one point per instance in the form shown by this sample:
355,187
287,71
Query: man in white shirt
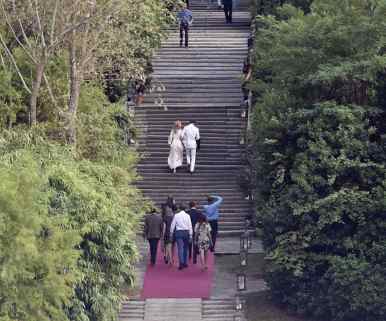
182,228
190,136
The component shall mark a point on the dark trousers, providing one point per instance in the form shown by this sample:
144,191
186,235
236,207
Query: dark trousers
182,239
153,243
193,251
214,226
184,29
228,13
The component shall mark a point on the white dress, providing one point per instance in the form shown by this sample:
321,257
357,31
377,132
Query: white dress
176,149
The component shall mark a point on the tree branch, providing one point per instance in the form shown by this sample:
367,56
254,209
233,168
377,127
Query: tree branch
15,64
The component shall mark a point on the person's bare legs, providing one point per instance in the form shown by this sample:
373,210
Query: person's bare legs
202,259
206,259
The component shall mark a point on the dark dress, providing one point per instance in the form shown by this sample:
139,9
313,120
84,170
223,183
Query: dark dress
168,218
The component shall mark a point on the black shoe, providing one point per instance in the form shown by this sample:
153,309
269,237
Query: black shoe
180,267
185,266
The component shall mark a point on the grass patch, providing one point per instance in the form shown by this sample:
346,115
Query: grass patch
261,308
231,263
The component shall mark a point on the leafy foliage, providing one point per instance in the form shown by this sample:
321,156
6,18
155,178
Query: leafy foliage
90,199
318,143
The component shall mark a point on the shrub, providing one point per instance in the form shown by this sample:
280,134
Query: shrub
318,145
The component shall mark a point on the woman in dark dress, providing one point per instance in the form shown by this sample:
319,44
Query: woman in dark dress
168,211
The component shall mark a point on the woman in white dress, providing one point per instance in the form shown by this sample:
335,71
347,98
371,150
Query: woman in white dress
176,154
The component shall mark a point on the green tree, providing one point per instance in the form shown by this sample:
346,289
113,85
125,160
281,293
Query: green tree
38,256
318,144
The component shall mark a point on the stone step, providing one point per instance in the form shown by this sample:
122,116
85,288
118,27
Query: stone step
219,309
132,310
173,309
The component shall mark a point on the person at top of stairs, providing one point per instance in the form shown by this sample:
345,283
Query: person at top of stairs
185,18
191,139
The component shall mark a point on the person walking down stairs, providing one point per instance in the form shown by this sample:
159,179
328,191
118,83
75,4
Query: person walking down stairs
185,18
228,8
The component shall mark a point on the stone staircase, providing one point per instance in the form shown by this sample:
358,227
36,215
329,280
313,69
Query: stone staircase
201,82
132,310
218,309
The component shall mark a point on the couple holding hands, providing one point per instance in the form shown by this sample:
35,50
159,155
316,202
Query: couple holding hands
180,137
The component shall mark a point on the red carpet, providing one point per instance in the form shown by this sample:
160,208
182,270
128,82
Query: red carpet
164,281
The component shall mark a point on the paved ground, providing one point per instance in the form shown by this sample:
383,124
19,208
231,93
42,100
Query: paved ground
231,245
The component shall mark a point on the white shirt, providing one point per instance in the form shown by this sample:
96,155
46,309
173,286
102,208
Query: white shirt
190,134
181,222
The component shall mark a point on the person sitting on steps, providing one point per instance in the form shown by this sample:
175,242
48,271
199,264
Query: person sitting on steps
185,18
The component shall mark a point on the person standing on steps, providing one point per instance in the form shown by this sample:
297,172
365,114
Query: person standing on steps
176,154
169,208
228,7
194,213
191,139
153,232
203,239
181,227
185,18
212,214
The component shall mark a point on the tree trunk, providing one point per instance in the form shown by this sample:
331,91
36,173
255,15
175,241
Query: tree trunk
75,79
35,90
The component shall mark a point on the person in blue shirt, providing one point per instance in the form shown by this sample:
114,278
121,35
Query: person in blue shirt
185,19
212,214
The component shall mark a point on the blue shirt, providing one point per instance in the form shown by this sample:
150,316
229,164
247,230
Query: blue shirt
185,15
211,210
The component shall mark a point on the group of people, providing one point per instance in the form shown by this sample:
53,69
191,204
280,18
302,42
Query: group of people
193,231
185,18
181,138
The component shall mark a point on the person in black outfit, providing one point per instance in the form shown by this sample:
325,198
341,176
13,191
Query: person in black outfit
168,210
228,6
194,214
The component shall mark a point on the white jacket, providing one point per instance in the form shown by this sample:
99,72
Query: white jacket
190,134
